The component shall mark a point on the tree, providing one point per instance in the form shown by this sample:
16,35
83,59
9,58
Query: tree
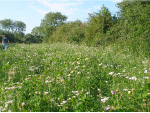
13,26
50,22
19,26
7,24
135,23
36,31
98,24
29,38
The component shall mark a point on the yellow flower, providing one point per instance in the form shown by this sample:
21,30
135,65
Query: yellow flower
129,92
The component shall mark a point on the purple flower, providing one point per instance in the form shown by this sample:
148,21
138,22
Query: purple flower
112,92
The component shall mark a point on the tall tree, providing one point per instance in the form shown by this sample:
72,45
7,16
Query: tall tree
13,26
98,24
135,22
36,31
19,26
50,22
7,24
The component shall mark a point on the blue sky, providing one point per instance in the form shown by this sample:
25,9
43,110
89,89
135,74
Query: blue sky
31,12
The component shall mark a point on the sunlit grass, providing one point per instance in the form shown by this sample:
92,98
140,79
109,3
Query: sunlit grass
65,77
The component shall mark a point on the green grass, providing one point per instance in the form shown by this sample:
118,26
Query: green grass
65,77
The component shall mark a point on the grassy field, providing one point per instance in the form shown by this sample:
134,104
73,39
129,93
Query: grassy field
65,77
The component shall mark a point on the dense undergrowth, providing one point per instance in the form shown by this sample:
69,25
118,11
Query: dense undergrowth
104,68
67,77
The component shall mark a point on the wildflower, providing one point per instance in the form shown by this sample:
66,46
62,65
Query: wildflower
42,75
74,91
69,99
67,108
99,89
9,78
19,87
86,59
23,104
78,73
144,104
113,108
124,70
107,108
112,92
104,99
125,89
69,75
20,109
127,77
111,73
13,87
144,100
100,64
106,81
88,93
45,93
133,78
71,71
36,92
11,101
77,94
146,77
59,105
145,71
47,81
27,78
129,92
134,68
76,67
78,63
63,102
58,99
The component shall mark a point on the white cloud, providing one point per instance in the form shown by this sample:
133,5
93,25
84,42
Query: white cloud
97,7
66,7
70,8
116,0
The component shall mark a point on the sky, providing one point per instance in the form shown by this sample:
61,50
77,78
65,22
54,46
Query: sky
31,12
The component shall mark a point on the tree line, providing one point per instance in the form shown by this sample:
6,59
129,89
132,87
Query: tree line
130,26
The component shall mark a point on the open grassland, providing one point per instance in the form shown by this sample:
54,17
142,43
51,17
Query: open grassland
65,77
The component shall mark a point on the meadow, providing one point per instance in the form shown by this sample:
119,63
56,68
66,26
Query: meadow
73,78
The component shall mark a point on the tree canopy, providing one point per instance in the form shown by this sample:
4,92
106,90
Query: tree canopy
12,26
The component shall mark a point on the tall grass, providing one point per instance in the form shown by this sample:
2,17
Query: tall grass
67,77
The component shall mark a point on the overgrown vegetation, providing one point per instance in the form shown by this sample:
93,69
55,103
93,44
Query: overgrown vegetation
130,26
66,77
104,68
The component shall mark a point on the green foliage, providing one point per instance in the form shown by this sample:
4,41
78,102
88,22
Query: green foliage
76,33
29,38
99,23
135,25
13,26
63,77
13,30
72,32
49,24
